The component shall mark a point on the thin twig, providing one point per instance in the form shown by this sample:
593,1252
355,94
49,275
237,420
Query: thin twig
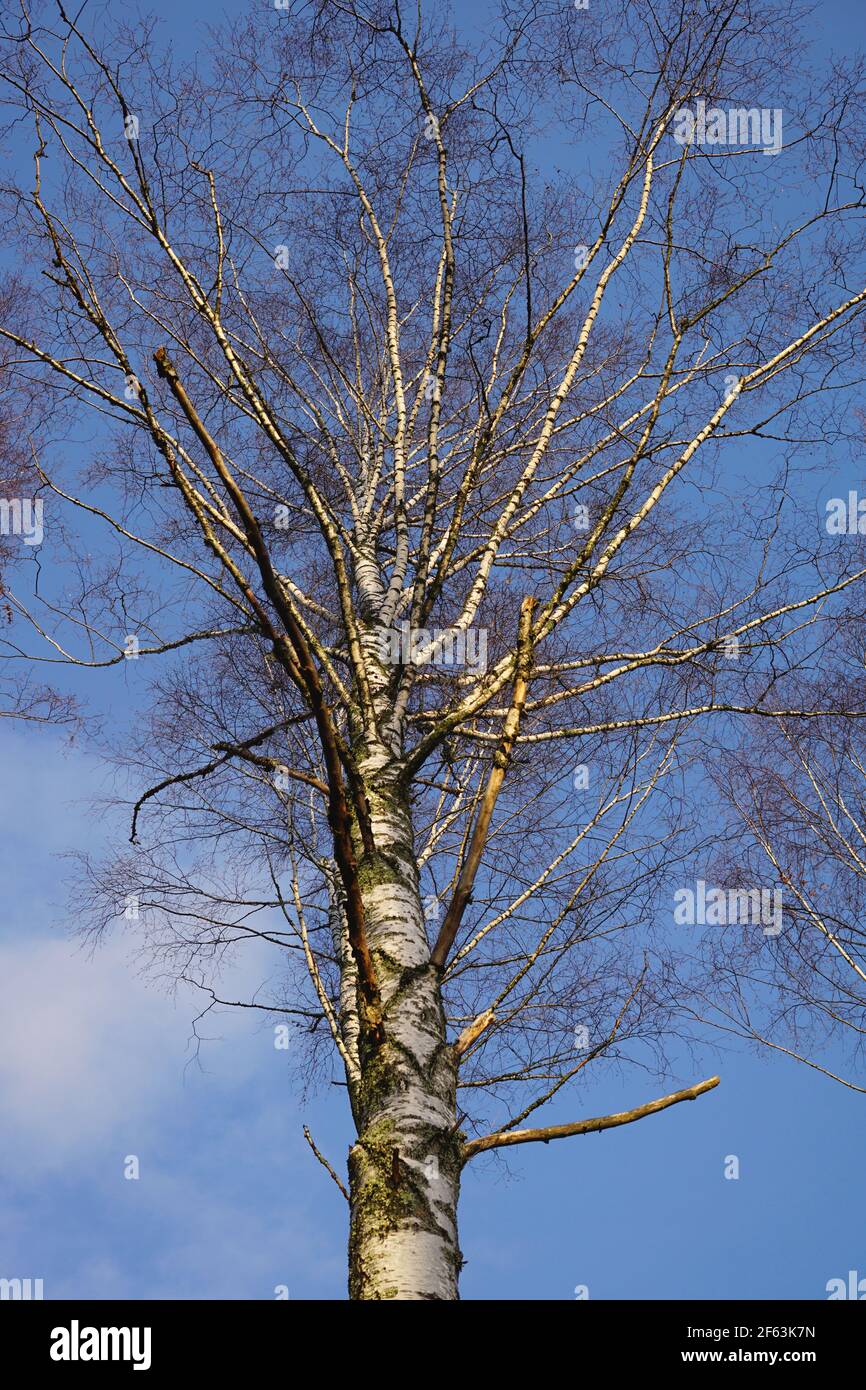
324,1162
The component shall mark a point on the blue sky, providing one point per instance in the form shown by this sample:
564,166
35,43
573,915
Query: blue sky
96,1064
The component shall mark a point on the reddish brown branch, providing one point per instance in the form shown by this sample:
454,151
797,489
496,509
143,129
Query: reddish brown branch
294,654
501,760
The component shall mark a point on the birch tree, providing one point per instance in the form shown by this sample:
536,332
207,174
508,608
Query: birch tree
796,790
389,395
24,696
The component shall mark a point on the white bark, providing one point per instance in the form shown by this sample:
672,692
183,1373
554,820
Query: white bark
404,1168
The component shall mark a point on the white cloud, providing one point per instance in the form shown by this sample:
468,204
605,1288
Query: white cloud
83,1043
96,1063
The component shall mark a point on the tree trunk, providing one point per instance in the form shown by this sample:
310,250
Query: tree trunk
404,1168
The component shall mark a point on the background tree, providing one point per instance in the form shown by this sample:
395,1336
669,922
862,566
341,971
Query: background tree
22,696
796,794
410,459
